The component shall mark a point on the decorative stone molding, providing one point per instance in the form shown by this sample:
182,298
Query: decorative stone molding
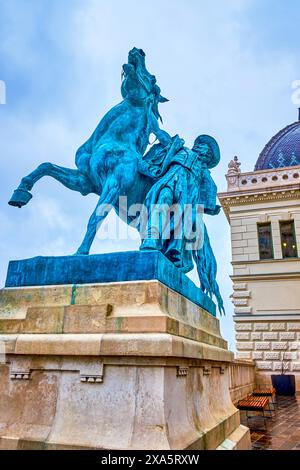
247,199
293,326
22,370
234,166
91,378
287,335
270,336
264,365
245,355
290,356
240,298
242,336
182,371
222,368
263,218
240,294
271,343
294,346
261,326
206,370
93,374
245,345
243,326
256,336
263,345
240,286
240,302
243,310
257,355
279,346
261,186
20,375
277,326
263,178
272,356
233,172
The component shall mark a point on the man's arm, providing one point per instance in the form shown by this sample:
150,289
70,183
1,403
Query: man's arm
163,136
158,159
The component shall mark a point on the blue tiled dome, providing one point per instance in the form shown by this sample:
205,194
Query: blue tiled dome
282,150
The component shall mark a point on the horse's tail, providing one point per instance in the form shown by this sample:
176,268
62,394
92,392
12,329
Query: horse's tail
207,270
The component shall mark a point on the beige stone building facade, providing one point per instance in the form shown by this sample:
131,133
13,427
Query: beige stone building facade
263,210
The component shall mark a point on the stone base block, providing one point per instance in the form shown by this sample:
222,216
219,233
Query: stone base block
134,405
130,365
238,440
103,268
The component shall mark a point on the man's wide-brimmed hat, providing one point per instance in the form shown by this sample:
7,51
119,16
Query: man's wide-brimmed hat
213,145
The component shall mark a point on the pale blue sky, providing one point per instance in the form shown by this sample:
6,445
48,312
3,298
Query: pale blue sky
226,67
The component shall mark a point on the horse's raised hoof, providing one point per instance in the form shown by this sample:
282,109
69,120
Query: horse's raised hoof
20,198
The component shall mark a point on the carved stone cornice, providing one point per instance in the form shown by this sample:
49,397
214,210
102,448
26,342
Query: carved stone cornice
240,198
263,179
264,276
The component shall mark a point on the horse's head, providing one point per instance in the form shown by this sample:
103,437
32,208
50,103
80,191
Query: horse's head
137,79
136,57
138,83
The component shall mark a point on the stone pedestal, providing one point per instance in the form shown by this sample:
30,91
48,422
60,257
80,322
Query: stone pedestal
124,365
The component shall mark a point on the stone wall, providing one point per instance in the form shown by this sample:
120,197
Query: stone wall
271,344
241,379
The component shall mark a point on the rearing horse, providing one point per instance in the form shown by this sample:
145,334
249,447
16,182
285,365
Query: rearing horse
107,164
110,162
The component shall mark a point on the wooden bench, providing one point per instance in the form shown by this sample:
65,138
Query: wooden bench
255,403
269,392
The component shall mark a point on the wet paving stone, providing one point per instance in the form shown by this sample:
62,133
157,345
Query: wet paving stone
283,429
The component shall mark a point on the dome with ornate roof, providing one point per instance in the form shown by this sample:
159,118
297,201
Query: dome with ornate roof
282,150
